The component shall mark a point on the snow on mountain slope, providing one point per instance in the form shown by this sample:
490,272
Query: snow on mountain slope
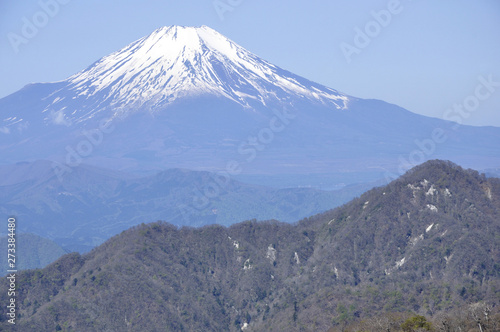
175,62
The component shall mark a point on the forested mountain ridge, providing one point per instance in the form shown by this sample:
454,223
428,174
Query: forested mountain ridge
427,242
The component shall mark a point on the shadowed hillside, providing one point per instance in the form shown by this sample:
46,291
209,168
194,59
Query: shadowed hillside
32,252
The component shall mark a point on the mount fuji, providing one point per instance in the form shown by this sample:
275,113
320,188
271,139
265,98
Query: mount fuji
177,62
189,97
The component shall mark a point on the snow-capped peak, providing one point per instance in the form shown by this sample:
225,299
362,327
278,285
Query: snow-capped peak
176,61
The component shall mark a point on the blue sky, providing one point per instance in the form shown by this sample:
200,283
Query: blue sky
425,56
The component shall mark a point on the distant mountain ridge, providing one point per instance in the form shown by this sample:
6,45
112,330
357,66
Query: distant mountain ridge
89,205
427,242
